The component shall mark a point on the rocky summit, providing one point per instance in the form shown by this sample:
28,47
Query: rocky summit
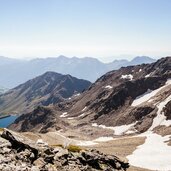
17,153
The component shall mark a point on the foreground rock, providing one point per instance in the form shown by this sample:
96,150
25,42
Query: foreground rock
19,154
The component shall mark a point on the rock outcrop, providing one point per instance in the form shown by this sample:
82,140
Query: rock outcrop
167,110
19,154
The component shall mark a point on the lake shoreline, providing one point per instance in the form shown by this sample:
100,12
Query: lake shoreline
4,116
6,120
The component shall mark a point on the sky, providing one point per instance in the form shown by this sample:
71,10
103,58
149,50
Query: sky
94,28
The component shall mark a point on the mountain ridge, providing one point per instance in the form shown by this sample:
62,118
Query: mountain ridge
18,71
46,89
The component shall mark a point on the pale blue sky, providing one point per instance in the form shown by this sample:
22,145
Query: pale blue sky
98,28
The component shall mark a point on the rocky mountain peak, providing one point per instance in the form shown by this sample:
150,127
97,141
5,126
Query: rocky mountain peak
46,89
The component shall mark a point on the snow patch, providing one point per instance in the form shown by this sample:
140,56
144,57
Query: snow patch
71,118
86,143
148,95
40,141
94,124
94,142
118,130
144,97
65,114
168,82
160,119
154,154
148,75
108,87
103,139
77,95
84,108
81,115
131,131
140,70
129,76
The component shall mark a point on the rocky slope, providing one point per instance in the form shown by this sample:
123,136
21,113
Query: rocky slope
130,99
17,153
46,89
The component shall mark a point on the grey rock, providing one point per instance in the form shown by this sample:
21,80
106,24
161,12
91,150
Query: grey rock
21,156
39,162
61,153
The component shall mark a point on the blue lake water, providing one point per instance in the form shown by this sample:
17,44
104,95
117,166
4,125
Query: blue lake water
5,122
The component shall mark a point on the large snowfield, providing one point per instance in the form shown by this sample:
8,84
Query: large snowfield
154,154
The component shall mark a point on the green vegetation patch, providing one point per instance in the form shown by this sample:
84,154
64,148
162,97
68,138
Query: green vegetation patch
1,129
74,148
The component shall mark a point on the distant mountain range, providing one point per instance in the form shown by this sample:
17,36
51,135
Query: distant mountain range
14,72
2,90
46,89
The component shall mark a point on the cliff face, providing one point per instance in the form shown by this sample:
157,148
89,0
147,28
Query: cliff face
131,96
49,88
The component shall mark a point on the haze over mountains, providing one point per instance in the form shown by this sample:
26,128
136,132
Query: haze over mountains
14,72
3,89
